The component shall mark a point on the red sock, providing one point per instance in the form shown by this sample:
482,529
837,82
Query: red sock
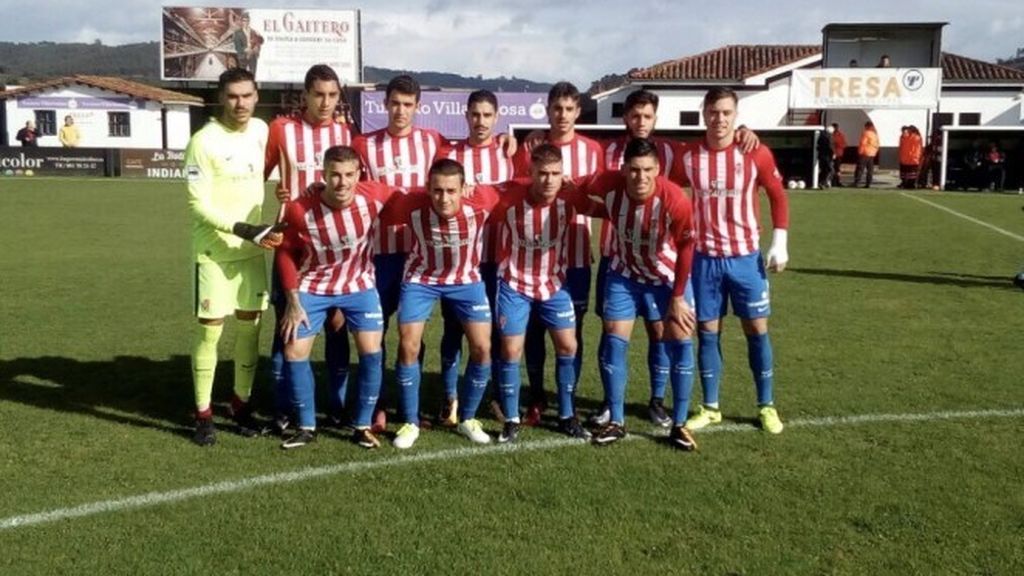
204,414
238,405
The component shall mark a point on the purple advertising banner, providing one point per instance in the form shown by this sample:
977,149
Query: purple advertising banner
73,103
445,111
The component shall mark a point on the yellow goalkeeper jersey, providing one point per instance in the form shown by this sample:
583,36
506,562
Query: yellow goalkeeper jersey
224,169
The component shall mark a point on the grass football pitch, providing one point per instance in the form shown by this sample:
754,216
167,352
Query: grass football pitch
898,361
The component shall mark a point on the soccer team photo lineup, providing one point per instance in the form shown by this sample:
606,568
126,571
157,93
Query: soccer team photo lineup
499,233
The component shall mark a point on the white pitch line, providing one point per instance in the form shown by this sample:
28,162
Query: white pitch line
965,217
230,486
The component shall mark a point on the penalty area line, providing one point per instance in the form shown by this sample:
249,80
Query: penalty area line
992,227
230,486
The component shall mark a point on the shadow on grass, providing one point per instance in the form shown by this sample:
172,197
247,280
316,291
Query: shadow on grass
935,278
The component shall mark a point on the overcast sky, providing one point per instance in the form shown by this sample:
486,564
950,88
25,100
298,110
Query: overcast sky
578,40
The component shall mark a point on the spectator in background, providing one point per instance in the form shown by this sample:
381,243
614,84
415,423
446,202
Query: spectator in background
68,134
839,149
935,158
884,62
853,63
910,157
995,161
28,135
867,150
826,157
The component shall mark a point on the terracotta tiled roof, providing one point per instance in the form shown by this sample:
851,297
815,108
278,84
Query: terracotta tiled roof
962,69
734,62
119,85
738,62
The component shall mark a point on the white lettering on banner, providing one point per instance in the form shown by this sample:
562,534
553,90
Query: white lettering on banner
20,161
858,88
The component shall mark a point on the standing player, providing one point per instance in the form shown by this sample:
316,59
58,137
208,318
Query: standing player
581,157
535,218
296,147
651,250
444,264
728,260
398,155
325,263
485,162
224,167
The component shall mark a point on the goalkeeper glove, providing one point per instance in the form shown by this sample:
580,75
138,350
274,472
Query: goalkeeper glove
255,233
778,255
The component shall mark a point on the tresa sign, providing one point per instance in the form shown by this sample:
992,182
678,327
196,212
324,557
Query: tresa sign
52,162
163,164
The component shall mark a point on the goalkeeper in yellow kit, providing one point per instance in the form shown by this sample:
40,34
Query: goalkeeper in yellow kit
224,167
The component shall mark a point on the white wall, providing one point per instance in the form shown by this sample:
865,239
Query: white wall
93,124
997,107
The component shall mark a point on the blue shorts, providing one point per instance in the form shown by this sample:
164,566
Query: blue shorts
389,269
514,311
626,299
361,309
741,279
577,283
469,301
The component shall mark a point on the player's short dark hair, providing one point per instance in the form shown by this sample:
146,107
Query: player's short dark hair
447,167
639,147
341,154
563,90
835,125
546,153
482,96
718,93
402,84
234,76
323,73
640,97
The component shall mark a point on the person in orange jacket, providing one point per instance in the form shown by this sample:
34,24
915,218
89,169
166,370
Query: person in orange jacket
866,153
838,148
910,157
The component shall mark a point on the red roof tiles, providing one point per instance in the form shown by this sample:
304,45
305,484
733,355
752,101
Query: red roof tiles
119,85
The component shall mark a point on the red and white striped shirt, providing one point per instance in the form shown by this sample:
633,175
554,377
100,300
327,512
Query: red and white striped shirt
445,251
534,242
725,201
484,165
297,148
581,157
402,161
326,251
614,156
653,239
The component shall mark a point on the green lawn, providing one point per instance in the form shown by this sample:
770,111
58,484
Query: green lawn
889,307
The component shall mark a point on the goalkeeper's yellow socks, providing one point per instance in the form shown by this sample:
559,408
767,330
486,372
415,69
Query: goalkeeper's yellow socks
247,353
204,365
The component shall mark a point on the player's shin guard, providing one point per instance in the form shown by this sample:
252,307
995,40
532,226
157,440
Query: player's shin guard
408,376
369,382
709,356
566,378
204,362
300,375
451,353
474,384
613,375
282,389
336,352
681,354
759,353
658,363
508,387
535,351
247,354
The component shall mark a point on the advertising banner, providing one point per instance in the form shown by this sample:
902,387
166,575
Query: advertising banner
276,45
865,88
446,111
52,162
161,164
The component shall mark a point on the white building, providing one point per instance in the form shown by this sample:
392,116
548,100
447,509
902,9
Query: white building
109,112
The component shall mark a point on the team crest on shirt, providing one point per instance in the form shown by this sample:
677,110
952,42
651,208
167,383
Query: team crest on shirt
205,305
479,177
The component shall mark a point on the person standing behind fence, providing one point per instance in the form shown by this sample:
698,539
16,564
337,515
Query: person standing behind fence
838,150
866,153
826,154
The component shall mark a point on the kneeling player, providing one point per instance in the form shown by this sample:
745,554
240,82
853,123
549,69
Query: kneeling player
325,262
444,264
651,250
532,220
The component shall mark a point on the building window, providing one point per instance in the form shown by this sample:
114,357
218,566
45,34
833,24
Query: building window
970,119
617,109
46,122
941,119
689,118
120,124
